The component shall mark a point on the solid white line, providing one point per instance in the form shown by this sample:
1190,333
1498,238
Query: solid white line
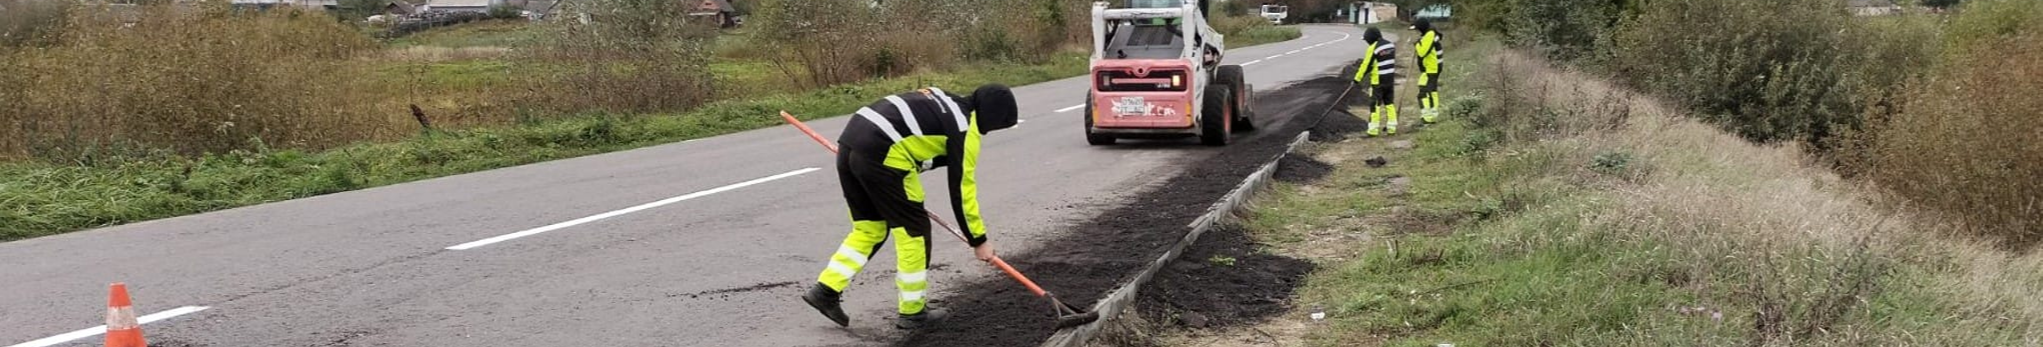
641,207
94,331
1068,109
1252,62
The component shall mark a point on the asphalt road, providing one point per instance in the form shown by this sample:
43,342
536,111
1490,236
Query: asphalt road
698,243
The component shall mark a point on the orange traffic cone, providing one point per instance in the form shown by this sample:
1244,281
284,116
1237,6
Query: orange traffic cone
121,328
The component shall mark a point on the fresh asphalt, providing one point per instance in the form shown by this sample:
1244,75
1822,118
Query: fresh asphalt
697,243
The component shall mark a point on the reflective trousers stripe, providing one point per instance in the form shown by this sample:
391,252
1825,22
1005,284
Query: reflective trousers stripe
911,255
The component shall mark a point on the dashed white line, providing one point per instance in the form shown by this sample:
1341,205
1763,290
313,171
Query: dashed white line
1252,62
1273,57
641,207
1068,109
1295,51
94,331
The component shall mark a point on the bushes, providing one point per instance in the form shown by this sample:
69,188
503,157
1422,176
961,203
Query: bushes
1966,142
827,42
31,22
187,81
1766,70
628,56
1935,112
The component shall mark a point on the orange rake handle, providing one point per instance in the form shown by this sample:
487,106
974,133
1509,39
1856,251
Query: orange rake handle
1011,272
932,215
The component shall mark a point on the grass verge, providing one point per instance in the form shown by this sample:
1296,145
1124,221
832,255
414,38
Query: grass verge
1552,208
39,199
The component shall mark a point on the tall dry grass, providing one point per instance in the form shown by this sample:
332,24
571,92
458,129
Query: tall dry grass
1967,143
1792,253
828,42
187,80
630,56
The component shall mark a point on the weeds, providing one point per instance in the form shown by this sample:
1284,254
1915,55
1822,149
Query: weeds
1723,243
1952,146
187,81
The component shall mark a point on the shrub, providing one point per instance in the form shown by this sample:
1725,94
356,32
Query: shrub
626,56
1964,143
1564,30
187,80
1766,70
505,12
828,42
31,22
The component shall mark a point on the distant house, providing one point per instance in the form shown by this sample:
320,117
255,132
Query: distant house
1873,7
721,11
268,4
400,8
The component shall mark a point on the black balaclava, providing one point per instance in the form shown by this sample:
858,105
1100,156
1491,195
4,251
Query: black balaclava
994,105
1423,25
1372,36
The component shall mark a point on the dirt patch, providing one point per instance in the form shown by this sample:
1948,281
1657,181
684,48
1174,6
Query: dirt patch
1104,252
1223,280
1301,169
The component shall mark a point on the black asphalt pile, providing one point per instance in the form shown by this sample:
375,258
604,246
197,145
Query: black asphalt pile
1101,254
1301,169
1222,281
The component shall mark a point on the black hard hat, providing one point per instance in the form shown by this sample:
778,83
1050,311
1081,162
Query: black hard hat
994,107
1372,35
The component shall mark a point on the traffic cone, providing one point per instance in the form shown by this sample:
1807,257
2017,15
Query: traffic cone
121,328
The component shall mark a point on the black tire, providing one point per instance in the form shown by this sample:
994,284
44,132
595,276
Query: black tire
1237,81
1213,115
1090,137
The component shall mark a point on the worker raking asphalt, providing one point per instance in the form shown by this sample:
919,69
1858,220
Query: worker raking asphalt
1097,255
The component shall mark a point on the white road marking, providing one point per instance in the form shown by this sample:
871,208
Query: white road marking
1344,37
1068,109
641,207
1295,51
1252,62
95,331
1274,57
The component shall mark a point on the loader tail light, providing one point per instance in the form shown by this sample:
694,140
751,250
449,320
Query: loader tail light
1155,81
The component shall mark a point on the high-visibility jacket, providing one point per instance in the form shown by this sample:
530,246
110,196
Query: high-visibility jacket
920,131
1428,51
1380,66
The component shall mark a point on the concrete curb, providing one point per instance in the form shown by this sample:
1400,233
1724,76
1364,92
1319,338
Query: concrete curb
1111,307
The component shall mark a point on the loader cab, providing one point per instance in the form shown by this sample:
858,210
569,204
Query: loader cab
1145,41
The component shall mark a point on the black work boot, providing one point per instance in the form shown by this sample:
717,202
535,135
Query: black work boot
825,301
929,317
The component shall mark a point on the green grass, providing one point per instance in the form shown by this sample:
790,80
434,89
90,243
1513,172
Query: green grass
39,199
487,33
1261,35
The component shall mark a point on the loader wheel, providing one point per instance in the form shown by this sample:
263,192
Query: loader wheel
1214,115
1090,137
1244,110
